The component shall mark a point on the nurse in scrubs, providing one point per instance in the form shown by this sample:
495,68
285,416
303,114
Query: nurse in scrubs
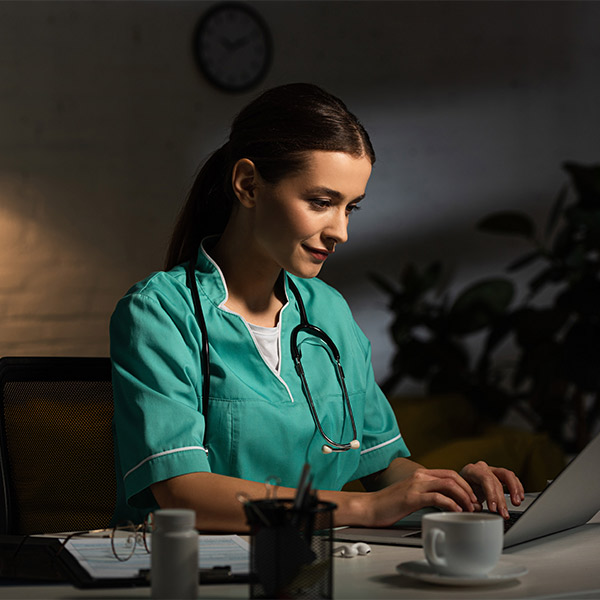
266,211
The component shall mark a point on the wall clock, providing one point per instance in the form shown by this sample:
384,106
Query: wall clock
232,46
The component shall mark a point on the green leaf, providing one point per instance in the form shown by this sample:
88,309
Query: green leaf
480,304
536,326
410,280
432,274
383,283
523,261
498,333
586,179
556,211
562,242
550,275
586,221
508,223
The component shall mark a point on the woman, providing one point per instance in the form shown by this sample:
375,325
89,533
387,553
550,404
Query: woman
264,214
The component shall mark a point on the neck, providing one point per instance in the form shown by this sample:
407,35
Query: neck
254,287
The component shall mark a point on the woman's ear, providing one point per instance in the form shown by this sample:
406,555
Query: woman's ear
244,180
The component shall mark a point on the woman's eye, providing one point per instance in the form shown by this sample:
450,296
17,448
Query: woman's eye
352,208
320,202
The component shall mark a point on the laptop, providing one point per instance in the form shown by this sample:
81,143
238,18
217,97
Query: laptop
570,500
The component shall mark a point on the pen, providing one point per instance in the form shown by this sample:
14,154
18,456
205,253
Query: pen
303,488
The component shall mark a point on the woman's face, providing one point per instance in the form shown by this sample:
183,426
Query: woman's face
300,220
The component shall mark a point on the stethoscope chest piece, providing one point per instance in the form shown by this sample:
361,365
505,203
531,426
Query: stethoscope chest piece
305,327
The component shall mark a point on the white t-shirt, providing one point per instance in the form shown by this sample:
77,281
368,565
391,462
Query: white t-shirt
267,339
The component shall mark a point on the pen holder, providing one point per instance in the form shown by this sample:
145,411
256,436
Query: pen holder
290,549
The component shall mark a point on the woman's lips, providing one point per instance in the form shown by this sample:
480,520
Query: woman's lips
317,253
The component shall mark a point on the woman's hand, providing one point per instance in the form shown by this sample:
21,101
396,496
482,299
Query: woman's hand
406,486
488,483
442,488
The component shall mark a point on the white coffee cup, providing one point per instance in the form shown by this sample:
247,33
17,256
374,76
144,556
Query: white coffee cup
462,544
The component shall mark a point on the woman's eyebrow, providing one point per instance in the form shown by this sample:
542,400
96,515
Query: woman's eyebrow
325,191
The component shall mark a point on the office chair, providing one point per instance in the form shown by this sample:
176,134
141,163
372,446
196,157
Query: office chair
56,444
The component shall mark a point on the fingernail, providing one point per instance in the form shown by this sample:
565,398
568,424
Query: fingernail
493,507
505,513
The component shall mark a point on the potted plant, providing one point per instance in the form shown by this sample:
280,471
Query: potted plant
554,378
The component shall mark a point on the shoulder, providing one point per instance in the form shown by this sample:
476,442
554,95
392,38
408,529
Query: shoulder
162,290
159,285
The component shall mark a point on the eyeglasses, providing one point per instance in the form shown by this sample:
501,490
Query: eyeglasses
126,536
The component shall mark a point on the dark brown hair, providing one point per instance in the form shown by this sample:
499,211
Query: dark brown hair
275,132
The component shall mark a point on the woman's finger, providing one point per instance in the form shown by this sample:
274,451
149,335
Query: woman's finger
440,500
512,484
448,486
491,486
454,476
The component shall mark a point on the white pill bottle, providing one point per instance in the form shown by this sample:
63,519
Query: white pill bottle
174,572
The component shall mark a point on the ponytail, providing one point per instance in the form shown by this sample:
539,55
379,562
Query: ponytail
206,210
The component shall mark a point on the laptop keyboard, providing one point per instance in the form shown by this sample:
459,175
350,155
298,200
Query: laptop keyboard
514,516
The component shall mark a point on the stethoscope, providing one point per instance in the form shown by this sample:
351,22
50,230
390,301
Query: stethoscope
305,327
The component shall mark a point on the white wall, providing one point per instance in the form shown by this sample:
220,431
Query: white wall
472,107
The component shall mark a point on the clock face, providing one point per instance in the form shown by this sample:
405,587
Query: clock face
232,46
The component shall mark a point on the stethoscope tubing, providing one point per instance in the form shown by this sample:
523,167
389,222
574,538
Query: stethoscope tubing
304,326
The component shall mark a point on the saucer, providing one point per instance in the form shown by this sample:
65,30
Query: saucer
423,571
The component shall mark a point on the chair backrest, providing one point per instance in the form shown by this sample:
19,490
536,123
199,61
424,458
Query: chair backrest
56,445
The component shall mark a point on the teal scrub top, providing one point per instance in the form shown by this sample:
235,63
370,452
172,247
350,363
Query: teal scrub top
259,423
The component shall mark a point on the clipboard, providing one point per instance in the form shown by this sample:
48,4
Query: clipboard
47,559
44,560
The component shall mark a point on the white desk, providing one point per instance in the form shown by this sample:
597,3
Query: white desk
561,566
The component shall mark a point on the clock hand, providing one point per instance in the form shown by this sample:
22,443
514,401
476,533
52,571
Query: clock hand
236,44
228,44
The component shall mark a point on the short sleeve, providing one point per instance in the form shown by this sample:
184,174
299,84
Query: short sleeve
381,439
158,424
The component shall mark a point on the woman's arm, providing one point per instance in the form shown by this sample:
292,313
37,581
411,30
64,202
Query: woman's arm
215,497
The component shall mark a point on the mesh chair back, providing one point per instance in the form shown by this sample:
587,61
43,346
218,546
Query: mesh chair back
56,444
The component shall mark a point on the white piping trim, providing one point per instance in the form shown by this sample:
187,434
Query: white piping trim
163,454
216,266
399,436
232,312
251,334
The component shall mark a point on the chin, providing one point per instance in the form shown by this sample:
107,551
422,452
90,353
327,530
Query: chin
306,272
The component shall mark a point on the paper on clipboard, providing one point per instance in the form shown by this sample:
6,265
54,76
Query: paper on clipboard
95,555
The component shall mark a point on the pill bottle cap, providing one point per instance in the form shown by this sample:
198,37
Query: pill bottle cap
174,519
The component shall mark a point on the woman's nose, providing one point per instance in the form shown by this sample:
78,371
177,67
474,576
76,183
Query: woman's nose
337,228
